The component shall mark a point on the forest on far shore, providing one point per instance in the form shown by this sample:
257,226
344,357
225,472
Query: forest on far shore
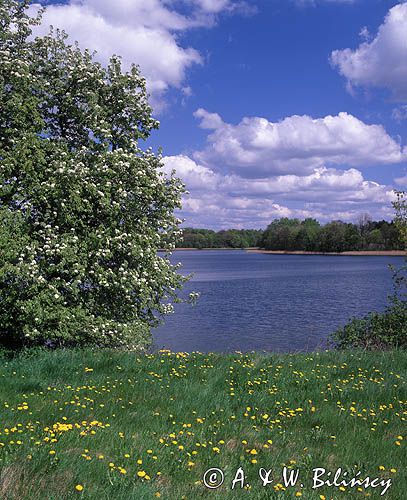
294,234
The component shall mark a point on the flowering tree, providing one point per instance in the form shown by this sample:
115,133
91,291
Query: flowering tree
83,210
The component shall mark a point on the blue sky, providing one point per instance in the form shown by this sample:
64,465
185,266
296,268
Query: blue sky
268,108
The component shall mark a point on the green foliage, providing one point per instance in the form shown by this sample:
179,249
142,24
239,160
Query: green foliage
307,235
388,329
230,238
375,331
336,236
400,220
83,209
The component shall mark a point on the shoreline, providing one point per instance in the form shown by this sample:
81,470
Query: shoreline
354,253
212,248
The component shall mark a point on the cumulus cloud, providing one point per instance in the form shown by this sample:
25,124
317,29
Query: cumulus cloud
142,32
381,62
401,181
217,6
400,113
258,170
196,177
319,2
234,201
256,147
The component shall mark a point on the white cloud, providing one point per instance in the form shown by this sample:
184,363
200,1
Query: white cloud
381,62
401,181
400,113
142,32
257,147
319,2
196,177
227,200
214,6
207,11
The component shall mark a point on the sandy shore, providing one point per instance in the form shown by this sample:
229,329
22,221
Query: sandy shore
394,253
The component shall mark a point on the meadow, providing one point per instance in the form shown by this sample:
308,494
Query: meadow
121,425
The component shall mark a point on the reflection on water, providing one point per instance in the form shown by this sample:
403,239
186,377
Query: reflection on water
272,302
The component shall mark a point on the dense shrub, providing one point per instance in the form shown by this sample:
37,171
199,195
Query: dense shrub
376,330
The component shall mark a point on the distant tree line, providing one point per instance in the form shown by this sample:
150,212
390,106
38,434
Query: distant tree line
230,238
308,235
336,236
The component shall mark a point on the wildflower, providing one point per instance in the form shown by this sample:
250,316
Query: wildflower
79,487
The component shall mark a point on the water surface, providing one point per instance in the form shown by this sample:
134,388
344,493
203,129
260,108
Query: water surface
269,302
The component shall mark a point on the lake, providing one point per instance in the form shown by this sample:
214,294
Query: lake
253,301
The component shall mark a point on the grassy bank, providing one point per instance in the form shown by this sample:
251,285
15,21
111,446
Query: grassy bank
116,425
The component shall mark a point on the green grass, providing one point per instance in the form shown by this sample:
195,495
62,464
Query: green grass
86,418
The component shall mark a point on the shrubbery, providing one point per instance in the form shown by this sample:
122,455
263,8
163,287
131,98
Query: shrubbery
388,329
375,331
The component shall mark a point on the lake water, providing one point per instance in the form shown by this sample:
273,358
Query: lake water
269,302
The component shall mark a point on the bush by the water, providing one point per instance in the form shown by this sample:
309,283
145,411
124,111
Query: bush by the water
376,330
